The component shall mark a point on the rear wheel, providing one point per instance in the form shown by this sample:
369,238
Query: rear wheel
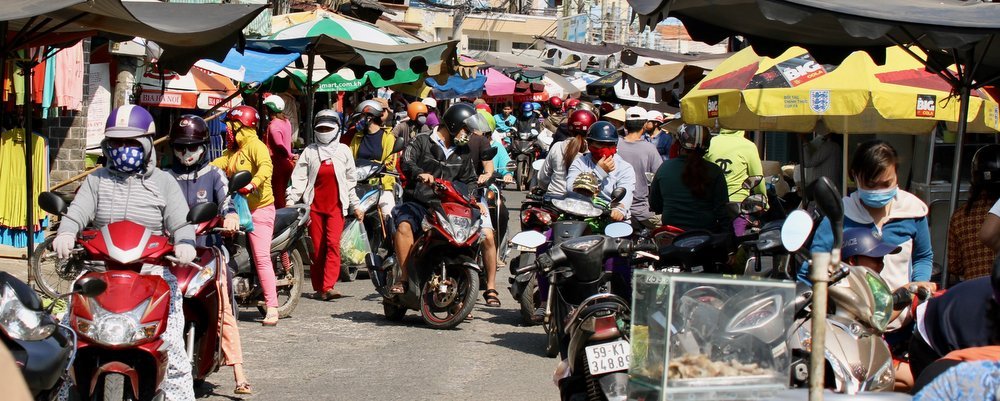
348,273
114,388
289,284
54,276
447,310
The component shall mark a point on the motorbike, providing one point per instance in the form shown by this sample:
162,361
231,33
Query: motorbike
41,346
444,278
370,191
291,250
524,150
121,353
588,311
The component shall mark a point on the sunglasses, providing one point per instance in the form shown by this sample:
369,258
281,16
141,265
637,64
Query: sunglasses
180,147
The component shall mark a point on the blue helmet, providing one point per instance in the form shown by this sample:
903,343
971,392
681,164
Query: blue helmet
603,132
526,107
129,121
536,106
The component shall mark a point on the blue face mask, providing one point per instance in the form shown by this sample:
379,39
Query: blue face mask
127,159
877,197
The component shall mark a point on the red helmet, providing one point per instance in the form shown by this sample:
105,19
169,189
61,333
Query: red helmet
580,121
556,102
607,108
572,103
245,115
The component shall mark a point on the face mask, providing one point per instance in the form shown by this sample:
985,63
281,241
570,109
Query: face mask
421,120
127,159
461,139
600,153
189,158
328,136
878,197
528,114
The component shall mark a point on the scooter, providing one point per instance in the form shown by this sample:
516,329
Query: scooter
42,347
121,354
524,150
370,191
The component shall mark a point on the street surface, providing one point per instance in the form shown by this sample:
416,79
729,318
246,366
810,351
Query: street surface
347,350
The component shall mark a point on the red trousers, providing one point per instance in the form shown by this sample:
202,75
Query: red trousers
325,230
279,180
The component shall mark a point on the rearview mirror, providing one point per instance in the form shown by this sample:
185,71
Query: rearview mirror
398,146
827,198
202,212
488,154
52,203
618,194
528,239
239,180
753,204
752,181
90,287
796,229
618,230
537,164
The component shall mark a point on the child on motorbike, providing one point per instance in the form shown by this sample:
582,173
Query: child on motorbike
201,182
132,188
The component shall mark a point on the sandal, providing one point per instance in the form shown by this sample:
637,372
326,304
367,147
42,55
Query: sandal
243,388
397,288
490,296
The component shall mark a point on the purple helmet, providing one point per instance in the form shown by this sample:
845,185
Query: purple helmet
129,121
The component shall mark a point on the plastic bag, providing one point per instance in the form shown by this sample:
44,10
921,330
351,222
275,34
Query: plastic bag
354,244
243,209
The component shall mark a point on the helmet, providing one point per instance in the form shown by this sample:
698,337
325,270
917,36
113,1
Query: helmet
572,103
555,102
129,121
603,132
189,130
580,121
986,166
536,106
607,108
245,115
526,107
275,103
416,108
463,116
430,102
492,122
587,182
372,107
864,242
484,106
692,137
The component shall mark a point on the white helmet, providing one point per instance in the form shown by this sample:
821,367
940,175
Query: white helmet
275,103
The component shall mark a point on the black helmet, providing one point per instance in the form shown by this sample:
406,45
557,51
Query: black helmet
189,130
603,132
463,116
986,166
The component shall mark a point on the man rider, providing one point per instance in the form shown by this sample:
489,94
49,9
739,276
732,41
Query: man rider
426,158
612,171
372,144
416,124
506,120
556,121
739,159
645,160
132,188
528,120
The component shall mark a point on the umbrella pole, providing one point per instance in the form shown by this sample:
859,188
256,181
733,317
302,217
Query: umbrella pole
310,95
963,121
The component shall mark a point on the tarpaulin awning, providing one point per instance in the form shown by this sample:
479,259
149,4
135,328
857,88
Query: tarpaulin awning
198,89
431,58
457,86
664,83
498,83
186,32
250,66
604,55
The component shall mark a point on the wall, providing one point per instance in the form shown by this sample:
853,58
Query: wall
67,137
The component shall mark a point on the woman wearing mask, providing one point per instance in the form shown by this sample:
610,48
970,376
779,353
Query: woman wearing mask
324,179
373,143
552,175
245,152
689,190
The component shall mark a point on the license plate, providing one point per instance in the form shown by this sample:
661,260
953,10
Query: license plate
609,357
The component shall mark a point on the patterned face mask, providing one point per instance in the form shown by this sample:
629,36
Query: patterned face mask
127,159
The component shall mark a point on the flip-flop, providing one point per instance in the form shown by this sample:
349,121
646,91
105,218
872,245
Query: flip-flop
397,289
491,298
243,388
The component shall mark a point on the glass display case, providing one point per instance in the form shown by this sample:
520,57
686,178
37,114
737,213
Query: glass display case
705,337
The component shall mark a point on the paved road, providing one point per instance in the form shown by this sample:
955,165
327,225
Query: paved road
346,350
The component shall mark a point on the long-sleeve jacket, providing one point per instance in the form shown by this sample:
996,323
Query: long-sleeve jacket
303,181
251,155
423,155
552,175
501,159
205,184
505,124
623,176
739,159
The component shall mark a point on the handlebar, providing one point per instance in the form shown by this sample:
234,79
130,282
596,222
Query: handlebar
176,261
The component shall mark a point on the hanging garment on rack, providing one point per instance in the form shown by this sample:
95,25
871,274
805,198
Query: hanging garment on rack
13,188
69,79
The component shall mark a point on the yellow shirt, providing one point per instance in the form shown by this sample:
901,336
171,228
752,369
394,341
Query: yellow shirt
253,156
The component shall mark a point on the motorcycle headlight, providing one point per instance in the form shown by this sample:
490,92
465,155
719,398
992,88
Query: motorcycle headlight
21,323
116,329
882,307
883,378
460,228
524,136
756,315
577,207
204,276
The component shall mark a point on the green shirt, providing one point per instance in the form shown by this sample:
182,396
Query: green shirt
738,158
679,206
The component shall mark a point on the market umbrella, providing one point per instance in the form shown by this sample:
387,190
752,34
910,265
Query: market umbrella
338,26
497,83
557,85
249,66
198,89
604,87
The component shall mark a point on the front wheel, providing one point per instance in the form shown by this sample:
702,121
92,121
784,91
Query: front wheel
445,310
348,273
289,283
519,173
114,388
54,276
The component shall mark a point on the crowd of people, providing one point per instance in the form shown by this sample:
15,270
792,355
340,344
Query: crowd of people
673,173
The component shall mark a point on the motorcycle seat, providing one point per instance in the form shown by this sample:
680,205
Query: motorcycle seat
284,218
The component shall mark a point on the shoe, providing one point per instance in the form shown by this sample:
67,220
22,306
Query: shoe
330,295
271,319
243,388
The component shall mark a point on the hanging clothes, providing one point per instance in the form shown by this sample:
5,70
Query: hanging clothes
48,85
69,79
13,205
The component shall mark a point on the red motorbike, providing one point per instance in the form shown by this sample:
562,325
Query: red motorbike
443,274
121,353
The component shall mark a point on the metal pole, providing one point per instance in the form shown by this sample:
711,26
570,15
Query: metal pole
310,98
963,117
28,153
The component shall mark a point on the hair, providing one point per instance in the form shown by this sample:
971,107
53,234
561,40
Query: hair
872,159
507,104
693,176
573,146
634,125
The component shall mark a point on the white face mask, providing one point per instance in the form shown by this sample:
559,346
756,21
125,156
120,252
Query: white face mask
189,158
328,136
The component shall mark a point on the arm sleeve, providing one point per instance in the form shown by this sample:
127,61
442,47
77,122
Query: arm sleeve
83,209
501,160
175,213
411,169
655,197
299,179
654,160
626,180
923,255
352,195
282,142
264,166
822,242
222,194
545,173
954,261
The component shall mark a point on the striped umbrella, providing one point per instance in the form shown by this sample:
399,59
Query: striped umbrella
340,27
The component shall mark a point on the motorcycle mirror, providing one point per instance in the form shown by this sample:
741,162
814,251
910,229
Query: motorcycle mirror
618,194
489,154
618,230
753,204
52,203
90,287
202,212
528,239
239,180
796,229
537,164
752,181
398,146
828,200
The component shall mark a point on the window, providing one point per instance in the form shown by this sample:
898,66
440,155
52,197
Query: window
522,45
482,44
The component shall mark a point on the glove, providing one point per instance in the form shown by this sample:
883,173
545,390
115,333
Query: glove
247,189
63,245
185,253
